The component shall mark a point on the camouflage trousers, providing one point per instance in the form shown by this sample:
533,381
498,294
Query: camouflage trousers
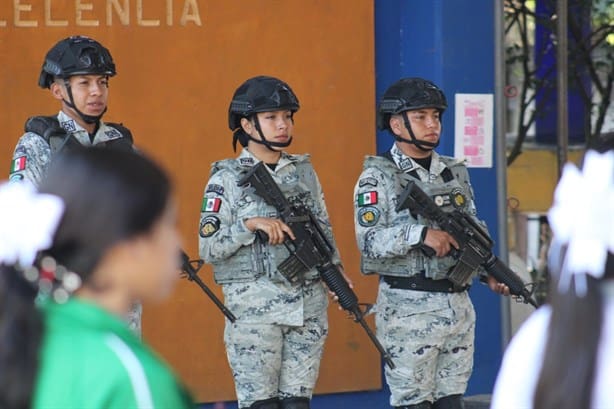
430,337
274,360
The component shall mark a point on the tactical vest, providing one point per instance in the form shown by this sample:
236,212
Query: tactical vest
259,258
453,193
48,127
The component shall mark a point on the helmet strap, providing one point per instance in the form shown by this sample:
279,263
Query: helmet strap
266,143
88,119
422,145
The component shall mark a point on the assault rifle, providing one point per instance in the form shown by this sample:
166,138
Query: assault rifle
310,249
190,271
475,244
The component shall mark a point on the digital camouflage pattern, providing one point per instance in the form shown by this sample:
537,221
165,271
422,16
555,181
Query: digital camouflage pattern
429,335
275,346
280,358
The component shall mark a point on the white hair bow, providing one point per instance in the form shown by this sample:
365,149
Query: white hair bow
28,221
583,217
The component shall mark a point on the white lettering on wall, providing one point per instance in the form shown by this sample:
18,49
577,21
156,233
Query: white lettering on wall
49,21
88,13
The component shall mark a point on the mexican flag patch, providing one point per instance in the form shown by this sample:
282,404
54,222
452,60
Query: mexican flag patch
18,164
211,205
367,198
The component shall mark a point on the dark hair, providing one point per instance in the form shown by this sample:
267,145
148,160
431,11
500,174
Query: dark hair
109,196
567,376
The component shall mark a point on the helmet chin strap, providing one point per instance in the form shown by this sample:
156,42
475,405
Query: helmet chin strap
270,145
422,145
88,119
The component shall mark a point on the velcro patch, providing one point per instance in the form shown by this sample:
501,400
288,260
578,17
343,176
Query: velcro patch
405,164
368,216
458,198
369,181
246,161
209,226
112,133
211,204
367,198
69,125
18,164
219,189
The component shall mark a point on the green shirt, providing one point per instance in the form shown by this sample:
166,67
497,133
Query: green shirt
90,359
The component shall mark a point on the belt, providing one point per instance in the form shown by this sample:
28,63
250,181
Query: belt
421,283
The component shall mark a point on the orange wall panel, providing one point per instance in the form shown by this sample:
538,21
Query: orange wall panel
178,62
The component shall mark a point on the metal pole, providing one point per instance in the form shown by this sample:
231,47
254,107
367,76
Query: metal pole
562,84
501,160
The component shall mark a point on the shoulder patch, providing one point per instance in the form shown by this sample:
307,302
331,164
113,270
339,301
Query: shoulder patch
16,177
18,164
368,216
219,189
368,181
367,198
209,226
211,204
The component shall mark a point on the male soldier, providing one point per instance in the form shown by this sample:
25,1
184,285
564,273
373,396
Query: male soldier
76,70
424,321
275,346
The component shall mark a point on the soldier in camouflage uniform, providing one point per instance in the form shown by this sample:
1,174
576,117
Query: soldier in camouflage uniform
423,320
76,70
274,347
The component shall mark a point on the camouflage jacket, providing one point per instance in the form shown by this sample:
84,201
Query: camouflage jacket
390,242
33,153
244,264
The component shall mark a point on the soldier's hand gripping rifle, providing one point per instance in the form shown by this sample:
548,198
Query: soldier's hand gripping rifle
310,248
475,244
190,271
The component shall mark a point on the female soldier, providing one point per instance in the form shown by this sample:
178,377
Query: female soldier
63,341
274,347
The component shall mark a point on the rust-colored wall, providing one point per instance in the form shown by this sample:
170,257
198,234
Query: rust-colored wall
178,63
532,179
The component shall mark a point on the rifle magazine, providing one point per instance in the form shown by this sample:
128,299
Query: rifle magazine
293,269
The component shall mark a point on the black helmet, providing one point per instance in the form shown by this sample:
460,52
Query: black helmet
260,94
409,94
76,55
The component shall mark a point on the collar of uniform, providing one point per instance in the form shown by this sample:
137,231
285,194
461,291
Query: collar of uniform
69,124
407,164
246,158
403,162
103,134
78,313
285,160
